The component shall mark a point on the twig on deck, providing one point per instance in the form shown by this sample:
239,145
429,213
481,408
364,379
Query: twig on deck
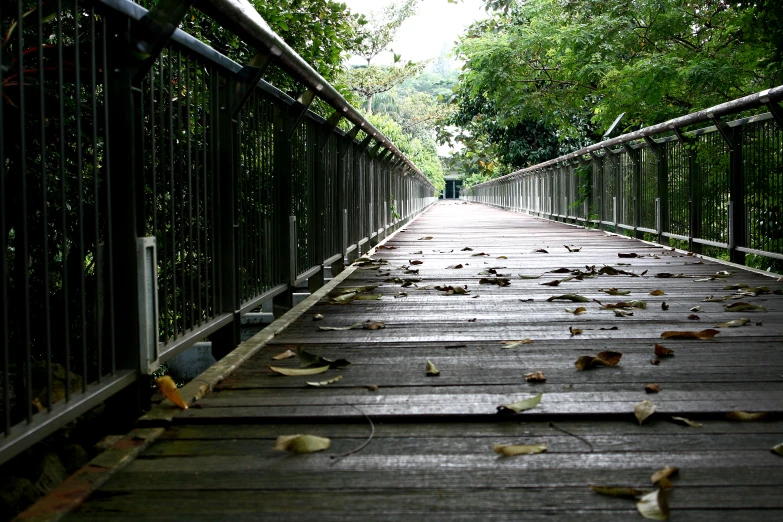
335,458
558,428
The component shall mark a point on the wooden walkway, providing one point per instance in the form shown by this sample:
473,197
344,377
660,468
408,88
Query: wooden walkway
431,455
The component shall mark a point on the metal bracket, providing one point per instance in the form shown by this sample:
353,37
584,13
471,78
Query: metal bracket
777,112
155,30
247,79
384,156
347,141
726,132
374,151
299,109
364,144
630,151
328,128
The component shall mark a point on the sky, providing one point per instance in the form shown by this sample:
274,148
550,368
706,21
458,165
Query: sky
421,37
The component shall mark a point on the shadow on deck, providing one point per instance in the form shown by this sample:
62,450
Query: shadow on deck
431,454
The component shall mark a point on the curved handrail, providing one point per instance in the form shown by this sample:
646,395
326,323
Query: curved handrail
240,17
751,101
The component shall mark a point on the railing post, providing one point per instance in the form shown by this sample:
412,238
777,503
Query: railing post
281,218
123,186
635,155
737,228
226,227
662,169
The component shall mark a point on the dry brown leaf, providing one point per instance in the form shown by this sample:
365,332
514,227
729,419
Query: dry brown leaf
426,238
743,307
284,355
777,449
703,334
574,298
664,473
607,358
622,313
551,283
629,255
432,370
302,443
577,311
169,389
416,262
512,450
501,257
657,292
535,377
614,291
687,422
662,351
541,251
655,362
652,388
454,267
318,317
643,410
572,249
575,331
664,306
747,416
694,317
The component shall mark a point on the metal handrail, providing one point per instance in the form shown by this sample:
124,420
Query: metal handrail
240,17
751,101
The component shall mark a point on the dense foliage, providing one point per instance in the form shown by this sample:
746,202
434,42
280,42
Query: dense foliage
557,72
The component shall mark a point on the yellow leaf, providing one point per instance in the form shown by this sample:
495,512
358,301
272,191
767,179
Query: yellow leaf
302,443
688,422
517,407
511,450
664,473
514,344
654,506
284,355
296,372
747,416
432,370
657,292
324,383
169,389
643,409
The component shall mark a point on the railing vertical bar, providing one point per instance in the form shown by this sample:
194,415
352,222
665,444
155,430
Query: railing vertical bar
109,215
4,336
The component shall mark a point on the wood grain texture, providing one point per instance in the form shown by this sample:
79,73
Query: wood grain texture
431,454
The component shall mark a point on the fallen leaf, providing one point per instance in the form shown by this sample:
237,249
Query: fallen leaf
324,383
664,306
694,317
614,291
743,307
577,311
777,449
373,387
607,358
662,351
560,271
284,355
609,328
355,326
535,377
703,334
416,262
501,257
575,331
367,297
318,317
528,276
169,389
551,283
619,491
377,325
643,409
657,292
655,362
467,249
454,267
654,506
480,254
572,249
747,416
311,360
297,372
622,313
302,443
652,388
712,299
666,275
695,309
541,251
432,371
624,304
517,407
512,450
629,255
569,297
514,344
688,422
426,238
344,298
664,473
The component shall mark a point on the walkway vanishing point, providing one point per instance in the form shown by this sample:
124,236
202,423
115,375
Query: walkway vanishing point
428,452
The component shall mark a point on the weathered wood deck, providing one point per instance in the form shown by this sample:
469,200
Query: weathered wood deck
432,452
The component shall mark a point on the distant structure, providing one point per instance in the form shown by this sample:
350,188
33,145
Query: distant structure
453,185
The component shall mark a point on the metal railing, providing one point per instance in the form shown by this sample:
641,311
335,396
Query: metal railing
153,191
718,187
